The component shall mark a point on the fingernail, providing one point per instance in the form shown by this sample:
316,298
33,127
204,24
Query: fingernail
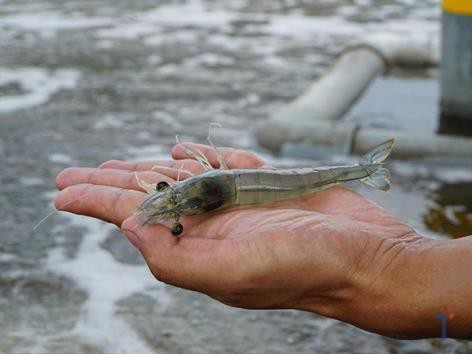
132,237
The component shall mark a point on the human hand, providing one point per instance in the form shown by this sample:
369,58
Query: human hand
334,253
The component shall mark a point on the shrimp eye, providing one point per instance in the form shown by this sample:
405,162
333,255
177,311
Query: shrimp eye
177,229
161,186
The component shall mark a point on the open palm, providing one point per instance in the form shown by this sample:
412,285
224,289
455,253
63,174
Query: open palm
305,253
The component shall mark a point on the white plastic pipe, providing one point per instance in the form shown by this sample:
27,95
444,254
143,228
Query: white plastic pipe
330,97
334,93
314,117
404,50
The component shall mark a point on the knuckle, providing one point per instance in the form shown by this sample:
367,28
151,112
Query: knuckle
117,200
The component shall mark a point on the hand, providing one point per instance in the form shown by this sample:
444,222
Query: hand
334,253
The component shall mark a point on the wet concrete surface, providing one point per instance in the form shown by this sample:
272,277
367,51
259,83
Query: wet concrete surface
81,83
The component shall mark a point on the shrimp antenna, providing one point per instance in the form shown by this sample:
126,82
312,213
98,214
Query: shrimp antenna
40,222
44,219
219,156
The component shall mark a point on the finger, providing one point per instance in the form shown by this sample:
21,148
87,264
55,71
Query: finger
233,158
190,262
102,202
189,165
107,177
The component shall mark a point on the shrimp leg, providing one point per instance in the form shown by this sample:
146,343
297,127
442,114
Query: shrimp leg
195,154
149,188
179,171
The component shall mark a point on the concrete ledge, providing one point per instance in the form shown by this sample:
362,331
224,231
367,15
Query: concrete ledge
349,139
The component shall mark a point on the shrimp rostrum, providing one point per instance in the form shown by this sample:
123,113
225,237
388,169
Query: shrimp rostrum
217,189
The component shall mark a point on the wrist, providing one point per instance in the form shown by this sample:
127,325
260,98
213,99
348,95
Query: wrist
395,295
423,292
411,287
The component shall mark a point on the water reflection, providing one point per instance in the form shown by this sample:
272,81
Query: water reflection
453,213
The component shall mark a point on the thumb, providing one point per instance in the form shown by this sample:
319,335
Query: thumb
188,262
140,235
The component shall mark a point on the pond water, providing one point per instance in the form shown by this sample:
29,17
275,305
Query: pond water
82,82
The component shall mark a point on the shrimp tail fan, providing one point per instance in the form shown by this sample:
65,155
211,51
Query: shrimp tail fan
379,176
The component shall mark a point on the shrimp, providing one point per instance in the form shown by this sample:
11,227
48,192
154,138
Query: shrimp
219,189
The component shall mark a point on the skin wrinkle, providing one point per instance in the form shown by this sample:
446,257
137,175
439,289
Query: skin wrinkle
396,245
85,191
91,176
228,273
214,231
188,246
249,279
356,266
306,258
136,166
220,228
256,248
375,252
362,279
396,248
355,229
116,201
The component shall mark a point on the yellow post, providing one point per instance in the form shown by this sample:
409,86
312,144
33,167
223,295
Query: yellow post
458,7
456,68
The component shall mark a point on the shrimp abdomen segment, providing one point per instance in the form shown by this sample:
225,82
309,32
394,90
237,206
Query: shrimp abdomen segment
265,186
